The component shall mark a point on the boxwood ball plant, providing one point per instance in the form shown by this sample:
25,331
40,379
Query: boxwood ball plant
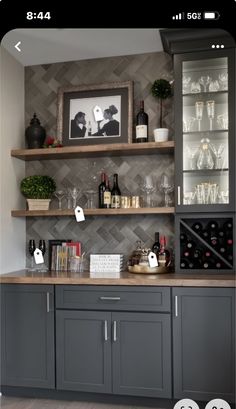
38,187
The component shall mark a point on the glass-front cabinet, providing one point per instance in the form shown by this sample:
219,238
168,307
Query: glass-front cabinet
205,134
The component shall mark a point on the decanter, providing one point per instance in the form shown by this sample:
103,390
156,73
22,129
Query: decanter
206,155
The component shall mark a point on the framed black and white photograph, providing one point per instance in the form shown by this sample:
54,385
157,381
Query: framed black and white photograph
95,114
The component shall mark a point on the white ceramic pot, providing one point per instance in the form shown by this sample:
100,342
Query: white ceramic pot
161,134
38,204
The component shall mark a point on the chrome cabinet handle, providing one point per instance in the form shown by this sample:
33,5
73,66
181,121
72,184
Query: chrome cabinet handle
178,194
109,298
48,302
114,331
105,331
176,305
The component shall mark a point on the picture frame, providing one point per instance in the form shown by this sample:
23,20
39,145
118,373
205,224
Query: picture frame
95,114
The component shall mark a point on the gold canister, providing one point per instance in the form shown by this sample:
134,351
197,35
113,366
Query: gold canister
125,202
135,201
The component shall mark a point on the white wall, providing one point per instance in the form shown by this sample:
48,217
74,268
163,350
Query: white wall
12,170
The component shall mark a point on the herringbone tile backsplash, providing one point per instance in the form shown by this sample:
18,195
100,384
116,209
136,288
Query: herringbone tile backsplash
107,233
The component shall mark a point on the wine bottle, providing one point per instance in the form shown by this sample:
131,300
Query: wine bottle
101,189
229,257
142,124
107,194
214,240
164,254
212,226
228,225
183,238
221,234
186,253
197,255
183,263
205,234
197,227
190,244
229,241
207,253
115,193
222,250
156,245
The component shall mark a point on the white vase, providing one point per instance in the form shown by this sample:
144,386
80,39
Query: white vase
161,134
38,204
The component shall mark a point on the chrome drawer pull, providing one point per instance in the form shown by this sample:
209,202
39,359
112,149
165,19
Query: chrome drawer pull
178,200
176,305
109,298
114,331
48,302
105,331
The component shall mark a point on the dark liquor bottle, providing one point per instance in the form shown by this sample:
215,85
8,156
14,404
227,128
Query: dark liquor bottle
142,124
197,227
107,194
115,193
156,245
164,254
101,190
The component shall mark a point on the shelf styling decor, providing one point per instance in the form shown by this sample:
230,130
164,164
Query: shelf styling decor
38,191
35,134
162,90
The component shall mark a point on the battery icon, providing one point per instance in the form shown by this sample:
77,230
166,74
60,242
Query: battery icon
211,15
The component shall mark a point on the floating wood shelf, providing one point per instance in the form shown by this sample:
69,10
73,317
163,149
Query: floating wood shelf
93,212
116,149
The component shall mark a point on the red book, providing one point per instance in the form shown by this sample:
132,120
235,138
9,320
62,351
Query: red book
76,244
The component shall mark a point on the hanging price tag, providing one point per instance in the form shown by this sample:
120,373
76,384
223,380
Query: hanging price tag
38,256
79,214
152,258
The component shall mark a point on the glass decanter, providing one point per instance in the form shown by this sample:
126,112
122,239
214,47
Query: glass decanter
206,157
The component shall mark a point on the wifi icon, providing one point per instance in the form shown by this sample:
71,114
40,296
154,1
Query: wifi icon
179,16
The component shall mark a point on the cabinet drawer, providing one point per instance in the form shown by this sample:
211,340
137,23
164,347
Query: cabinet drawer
118,298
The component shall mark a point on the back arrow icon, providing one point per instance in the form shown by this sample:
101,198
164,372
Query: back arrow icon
17,46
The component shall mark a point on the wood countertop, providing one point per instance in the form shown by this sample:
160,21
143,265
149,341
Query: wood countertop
124,278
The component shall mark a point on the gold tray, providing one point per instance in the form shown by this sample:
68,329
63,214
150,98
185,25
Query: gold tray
148,270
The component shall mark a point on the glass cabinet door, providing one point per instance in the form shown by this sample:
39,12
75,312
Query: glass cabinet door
205,143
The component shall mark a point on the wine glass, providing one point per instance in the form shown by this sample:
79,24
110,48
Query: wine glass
223,80
148,187
167,188
199,112
59,195
211,111
218,151
31,248
204,81
186,84
74,191
90,194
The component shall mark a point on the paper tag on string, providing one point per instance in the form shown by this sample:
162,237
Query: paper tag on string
152,258
38,256
79,214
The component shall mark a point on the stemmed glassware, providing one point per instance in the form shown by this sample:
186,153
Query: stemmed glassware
31,249
59,195
167,188
148,187
211,111
218,151
186,84
204,81
223,80
199,112
74,191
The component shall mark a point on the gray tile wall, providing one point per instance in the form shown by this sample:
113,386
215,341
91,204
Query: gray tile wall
107,233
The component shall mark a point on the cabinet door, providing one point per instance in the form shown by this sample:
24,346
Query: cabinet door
83,350
205,128
141,352
27,335
203,343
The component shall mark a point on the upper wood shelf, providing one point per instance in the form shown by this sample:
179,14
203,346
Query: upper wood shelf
93,212
116,149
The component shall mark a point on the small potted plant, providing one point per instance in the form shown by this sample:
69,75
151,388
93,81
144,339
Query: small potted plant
38,191
162,90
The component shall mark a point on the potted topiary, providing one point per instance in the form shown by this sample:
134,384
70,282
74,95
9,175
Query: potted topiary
161,89
38,190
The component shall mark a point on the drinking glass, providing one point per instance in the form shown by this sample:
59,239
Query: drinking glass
223,80
195,87
192,157
188,124
218,151
204,81
31,248
211,111
148,187
189,198
214,193
59,195
199,112
186,84
167,188
68,198
214,86
74,191
222,121
90,194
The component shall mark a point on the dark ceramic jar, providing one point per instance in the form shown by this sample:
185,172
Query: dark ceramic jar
35,134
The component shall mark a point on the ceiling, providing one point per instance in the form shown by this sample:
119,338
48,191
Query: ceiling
44,46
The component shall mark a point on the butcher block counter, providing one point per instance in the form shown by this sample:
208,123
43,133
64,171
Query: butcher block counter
124,278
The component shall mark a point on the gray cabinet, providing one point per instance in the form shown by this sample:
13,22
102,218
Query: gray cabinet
102,347
27,335
204,343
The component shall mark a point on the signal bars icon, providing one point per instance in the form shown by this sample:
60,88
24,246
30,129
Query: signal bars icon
179,16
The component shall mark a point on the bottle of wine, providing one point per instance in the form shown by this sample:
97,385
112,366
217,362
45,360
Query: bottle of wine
228,225
212,226
190,244
156,245
205,234
197,227
207,253
142,124
214,240
197,255
183,263
115,193
107,194
101,189
164,254
183,238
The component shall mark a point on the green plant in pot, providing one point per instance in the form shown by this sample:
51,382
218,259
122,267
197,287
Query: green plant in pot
161,89
38,191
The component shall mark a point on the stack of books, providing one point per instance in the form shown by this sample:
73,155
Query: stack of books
106,263
62,253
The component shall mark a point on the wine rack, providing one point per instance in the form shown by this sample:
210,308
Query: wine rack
205,244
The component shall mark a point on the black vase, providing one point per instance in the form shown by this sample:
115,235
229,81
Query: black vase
35,134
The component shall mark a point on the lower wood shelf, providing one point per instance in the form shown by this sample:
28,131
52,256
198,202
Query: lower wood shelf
93,212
